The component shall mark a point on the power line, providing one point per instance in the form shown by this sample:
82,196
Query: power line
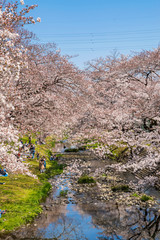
91,49
94,41
98,34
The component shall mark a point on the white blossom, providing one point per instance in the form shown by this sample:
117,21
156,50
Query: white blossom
22,2
38,19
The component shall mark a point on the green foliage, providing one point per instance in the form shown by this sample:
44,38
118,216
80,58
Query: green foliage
135,195
63,193
93,145
87,140
65,134
50,141
9,152
25,139
49,152
12,143
21,195
117,152
148,144
86,179
145,198
104,175
45,189
119,188
59,155
54,169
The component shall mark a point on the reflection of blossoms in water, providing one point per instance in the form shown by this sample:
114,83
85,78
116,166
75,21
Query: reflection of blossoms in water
64,228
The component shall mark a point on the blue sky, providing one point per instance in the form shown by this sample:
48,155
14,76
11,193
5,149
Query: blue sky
94,28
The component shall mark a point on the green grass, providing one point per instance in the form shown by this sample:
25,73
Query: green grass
135,195
145,198
93,145
63,193
104,175
118,188
25,139
21,195
117,152
86,140
86,179
50,141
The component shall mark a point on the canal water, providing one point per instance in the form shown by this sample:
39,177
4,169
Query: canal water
70,217
97,220
72,222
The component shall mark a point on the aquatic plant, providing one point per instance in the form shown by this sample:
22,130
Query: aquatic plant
86,179
63,193
123,188
145,198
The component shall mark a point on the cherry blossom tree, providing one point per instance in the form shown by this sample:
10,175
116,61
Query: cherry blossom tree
126,105
12,58
116,100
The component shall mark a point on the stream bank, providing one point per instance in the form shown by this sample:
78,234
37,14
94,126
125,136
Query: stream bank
92,211
20,194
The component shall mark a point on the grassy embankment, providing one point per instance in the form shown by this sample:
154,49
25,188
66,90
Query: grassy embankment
21,195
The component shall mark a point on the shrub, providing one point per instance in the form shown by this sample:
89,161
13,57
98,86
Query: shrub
45,190
93,145
63,193
86,179
104,175
49,152
118,153
145,198
135,195
123,188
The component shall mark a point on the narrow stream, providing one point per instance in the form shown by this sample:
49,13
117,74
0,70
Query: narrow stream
77,216
72,220
71,223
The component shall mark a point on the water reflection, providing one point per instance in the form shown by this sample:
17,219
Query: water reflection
129,223
97,220
71,225
94,222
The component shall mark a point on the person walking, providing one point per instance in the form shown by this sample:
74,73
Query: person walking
37,155
53,157
42,165
32,150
